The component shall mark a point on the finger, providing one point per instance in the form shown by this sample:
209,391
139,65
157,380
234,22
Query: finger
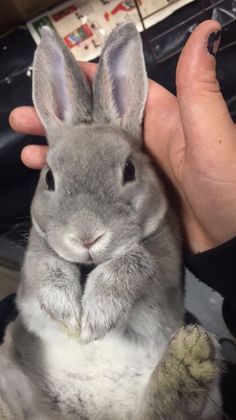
25,120
162,125
89,70
34,156
205,117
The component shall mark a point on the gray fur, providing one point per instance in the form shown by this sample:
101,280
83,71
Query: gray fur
90,349
124,98
58,98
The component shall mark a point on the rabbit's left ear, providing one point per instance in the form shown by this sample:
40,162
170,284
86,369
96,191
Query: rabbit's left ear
121,85
61,93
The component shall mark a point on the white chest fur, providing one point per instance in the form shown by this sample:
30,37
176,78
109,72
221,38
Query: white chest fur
104,379
101,380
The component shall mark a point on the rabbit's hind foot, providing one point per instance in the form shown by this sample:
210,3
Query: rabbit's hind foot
186,380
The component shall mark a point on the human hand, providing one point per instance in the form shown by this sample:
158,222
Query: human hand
196,144
191,137
24,119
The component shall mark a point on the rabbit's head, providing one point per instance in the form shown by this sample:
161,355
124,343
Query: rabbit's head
98,194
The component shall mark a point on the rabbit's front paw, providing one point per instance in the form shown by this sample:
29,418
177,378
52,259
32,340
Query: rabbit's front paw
101,308
67,316
92,326
96,323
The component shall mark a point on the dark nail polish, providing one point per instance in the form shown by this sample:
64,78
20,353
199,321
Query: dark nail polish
213,42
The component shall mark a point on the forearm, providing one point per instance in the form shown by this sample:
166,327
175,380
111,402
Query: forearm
50,283
112,290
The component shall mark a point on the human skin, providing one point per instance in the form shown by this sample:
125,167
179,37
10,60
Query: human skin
191,137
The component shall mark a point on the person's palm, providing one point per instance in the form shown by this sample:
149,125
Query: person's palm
200,163
191,137
194,140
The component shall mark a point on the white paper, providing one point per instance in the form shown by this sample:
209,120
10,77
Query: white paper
85,24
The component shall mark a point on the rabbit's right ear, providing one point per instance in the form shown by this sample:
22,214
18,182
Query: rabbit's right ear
61,93
121,83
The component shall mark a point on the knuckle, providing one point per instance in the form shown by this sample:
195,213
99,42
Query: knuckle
201,84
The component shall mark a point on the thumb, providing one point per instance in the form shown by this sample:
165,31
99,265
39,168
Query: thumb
204,114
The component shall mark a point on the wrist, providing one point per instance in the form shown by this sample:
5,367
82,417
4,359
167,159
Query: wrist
197,238
199,241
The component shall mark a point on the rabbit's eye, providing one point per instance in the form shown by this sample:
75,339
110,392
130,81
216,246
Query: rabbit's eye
129,172
50,180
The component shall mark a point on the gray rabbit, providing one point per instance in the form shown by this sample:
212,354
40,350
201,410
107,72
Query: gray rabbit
100,300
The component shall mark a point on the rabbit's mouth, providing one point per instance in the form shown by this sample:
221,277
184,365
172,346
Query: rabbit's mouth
85,270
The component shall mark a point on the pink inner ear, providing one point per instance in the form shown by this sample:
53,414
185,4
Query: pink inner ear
59,85
118,72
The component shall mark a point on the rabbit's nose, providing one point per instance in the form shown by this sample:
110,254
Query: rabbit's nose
92,242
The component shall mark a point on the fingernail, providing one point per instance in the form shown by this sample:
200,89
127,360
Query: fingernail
214,42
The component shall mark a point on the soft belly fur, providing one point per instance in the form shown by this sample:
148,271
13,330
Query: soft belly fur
105,379
110,379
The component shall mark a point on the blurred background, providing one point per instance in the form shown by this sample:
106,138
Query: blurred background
164,32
